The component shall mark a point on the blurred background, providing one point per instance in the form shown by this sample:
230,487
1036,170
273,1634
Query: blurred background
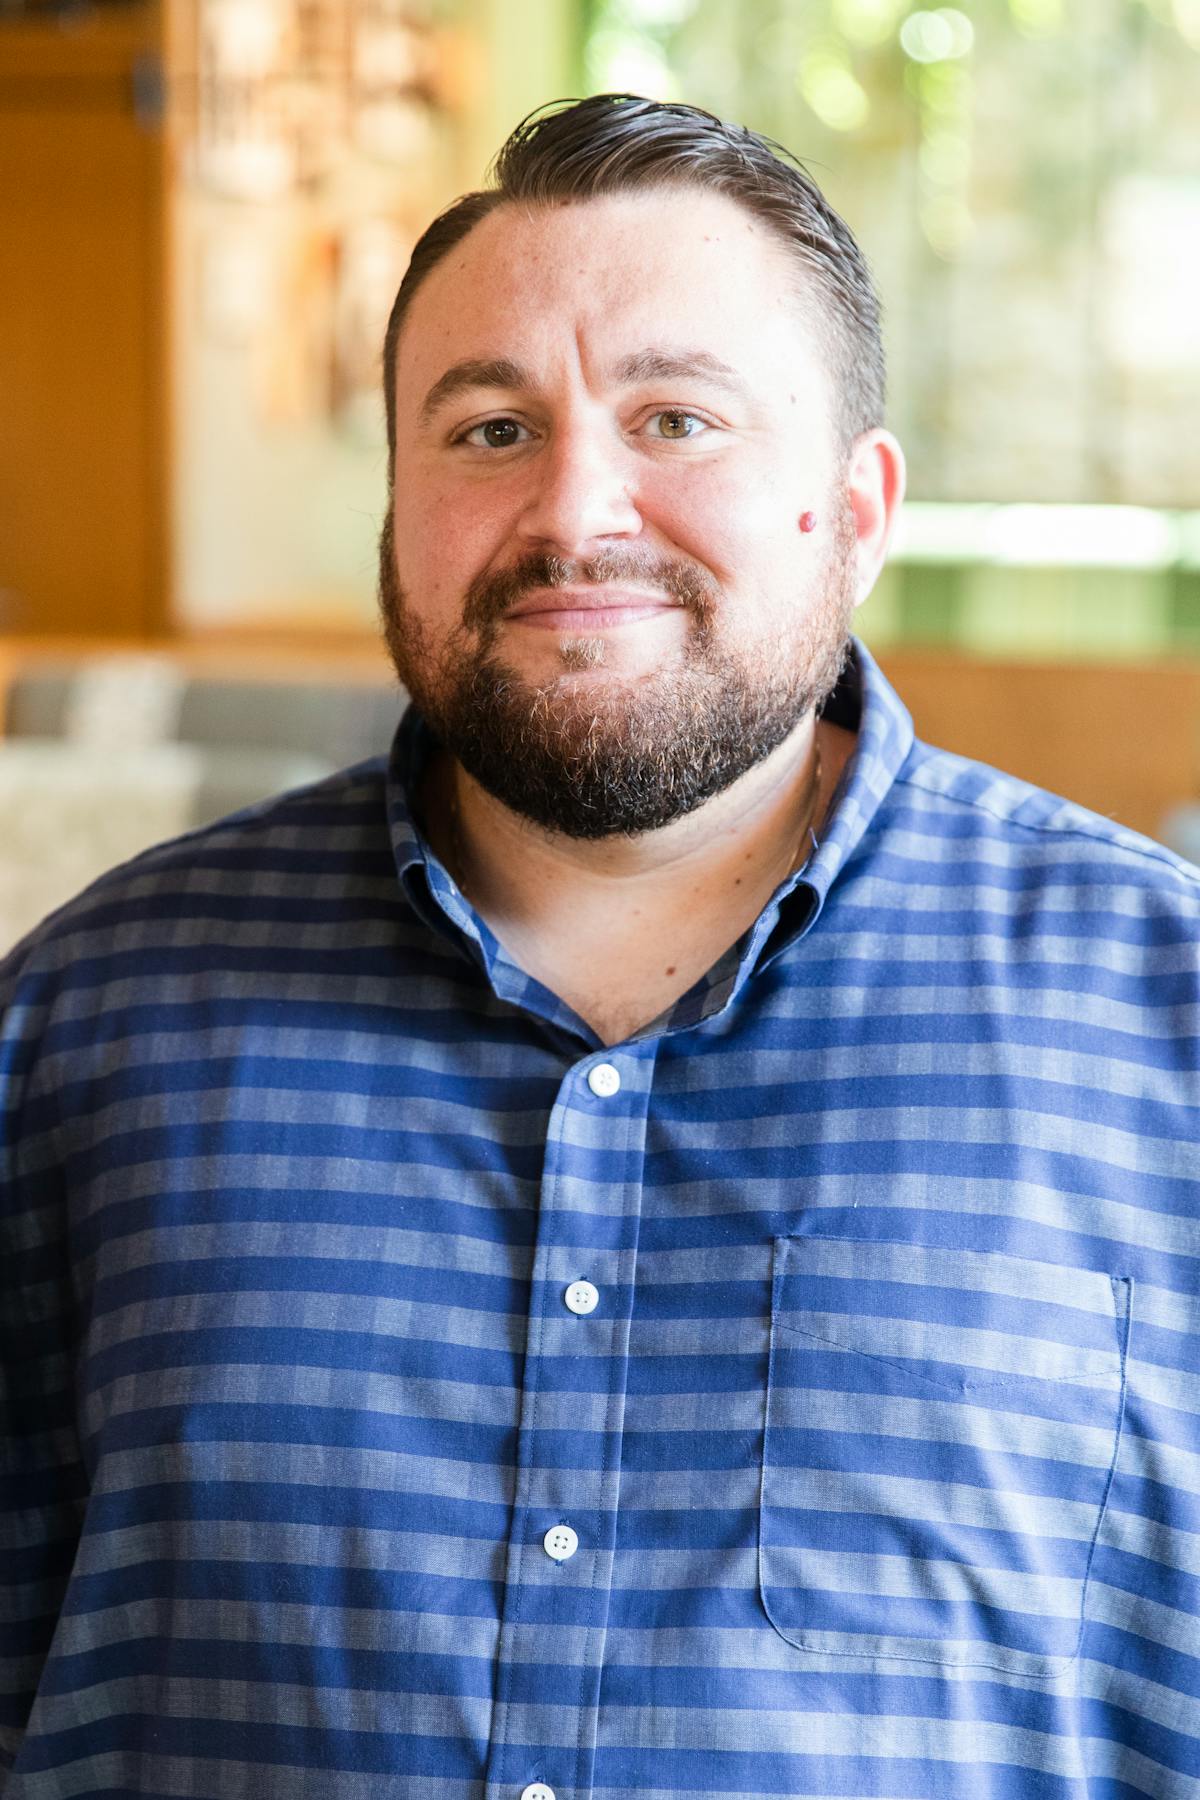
205,209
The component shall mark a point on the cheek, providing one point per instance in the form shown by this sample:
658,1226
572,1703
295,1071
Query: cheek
732,523
443,538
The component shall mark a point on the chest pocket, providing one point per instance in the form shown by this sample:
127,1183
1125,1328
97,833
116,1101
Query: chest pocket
942,1427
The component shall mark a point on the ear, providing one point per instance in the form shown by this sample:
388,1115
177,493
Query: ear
875,483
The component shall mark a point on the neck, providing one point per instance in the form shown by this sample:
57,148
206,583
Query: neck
753,833
618,927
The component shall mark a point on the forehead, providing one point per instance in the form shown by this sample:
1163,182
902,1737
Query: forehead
593,280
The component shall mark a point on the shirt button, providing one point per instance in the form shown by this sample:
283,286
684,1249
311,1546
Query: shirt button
537,1790
581,1297
604,1081
560,1542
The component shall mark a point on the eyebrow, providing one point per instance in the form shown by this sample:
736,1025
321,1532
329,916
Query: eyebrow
643,365
678,365
474,372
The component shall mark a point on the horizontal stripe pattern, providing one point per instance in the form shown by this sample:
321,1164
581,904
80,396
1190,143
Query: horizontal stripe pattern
881,1444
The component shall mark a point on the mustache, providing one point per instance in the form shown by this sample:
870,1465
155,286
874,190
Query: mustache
491,595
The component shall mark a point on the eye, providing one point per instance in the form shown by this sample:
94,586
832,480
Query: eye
493,434
675,424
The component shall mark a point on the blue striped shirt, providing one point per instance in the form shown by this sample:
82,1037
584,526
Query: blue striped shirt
406,1395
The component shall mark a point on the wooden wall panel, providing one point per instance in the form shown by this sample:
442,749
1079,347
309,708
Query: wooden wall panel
83,373
1123,740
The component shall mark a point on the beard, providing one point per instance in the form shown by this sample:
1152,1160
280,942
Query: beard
598,757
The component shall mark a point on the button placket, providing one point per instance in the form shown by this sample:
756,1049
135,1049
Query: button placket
582,1297
560,1542
604,1079
593,1170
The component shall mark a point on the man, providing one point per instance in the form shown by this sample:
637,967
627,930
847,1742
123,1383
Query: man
650,1245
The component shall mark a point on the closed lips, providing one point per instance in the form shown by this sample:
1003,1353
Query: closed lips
590,600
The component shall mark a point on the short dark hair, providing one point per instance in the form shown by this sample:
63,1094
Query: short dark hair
578,150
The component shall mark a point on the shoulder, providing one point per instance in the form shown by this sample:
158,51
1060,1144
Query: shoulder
952,807
1012,918
275,860
970,877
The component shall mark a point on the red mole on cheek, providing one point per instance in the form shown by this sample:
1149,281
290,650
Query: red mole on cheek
808,521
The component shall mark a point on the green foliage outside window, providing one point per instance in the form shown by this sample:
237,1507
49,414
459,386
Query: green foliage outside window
1024,176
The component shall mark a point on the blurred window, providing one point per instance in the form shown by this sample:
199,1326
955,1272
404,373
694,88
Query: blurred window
1024,176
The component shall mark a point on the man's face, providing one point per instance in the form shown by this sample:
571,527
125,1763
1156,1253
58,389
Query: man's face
610,419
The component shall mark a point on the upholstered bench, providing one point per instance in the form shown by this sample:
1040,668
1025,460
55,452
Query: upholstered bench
102,758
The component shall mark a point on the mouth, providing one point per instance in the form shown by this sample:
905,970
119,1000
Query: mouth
586,609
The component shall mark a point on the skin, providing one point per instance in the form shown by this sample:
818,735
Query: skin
600,453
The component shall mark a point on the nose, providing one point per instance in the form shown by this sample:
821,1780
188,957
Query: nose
581,491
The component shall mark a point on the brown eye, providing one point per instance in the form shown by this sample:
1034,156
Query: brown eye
498,434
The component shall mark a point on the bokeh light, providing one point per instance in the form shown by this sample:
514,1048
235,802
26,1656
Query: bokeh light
867,21
944,156
941,36
623,61
827,83
1037,18
658,15
1187,21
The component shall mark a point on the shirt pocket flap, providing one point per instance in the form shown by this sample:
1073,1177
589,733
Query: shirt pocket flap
954,1318
941,1432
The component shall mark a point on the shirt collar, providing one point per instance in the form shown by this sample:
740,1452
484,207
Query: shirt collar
863,702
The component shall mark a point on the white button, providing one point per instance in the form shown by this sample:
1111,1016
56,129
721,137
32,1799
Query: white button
560,1542
537,1790
581,1297
604,1081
